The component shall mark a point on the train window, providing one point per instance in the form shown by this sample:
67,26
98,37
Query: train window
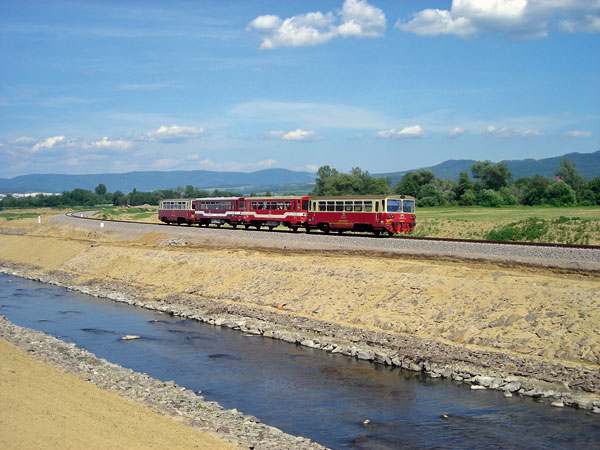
241,204
408,206
383,205
368,206
288,205
280,205
330,206
305,205
394,206
349,206
358,206
322,206
376,206
339,206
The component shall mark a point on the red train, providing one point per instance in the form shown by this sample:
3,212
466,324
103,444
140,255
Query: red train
368,213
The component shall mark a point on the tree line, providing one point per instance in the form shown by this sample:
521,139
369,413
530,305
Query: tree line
100,196
490,184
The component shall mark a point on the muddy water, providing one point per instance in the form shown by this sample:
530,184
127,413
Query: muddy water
332,399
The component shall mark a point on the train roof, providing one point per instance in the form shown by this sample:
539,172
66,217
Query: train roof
363,197
212,199
276,197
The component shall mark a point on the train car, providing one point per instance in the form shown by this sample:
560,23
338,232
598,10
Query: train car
372,213
219,211
176,210
289,211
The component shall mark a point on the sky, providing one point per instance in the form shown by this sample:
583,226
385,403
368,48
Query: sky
384,85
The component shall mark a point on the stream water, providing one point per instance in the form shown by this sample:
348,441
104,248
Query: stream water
302,391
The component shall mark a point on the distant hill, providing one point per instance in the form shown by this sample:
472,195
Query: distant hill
150,181
274,180
588,166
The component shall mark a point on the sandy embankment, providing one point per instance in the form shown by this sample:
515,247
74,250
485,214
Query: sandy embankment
542,316
43,407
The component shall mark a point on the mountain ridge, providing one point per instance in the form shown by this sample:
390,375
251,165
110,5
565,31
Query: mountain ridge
588,166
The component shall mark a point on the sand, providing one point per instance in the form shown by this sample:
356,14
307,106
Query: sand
43,407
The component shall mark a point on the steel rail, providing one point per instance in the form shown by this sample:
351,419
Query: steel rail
413,238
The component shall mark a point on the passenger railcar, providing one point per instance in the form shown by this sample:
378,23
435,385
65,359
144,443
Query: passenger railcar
219,211
289,211
371,213
176,210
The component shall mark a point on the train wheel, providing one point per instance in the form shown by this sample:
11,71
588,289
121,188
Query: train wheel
295,229
326,230
247,226
271,228
340,232
308,229
257,226
234,225
376,233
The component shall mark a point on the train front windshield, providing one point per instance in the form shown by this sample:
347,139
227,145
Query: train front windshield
408,206
394,205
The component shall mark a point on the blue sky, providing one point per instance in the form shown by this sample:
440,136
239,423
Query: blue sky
90,87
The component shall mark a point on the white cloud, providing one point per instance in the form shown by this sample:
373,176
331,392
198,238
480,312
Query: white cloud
24,140
415,131
317,115
276,134
166,163
587,24
208,164
48,143
312,167
174,133
506,132
358,19
107,144
457,131
578,134
301,136
520,19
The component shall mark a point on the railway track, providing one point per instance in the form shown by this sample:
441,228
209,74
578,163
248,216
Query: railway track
79,215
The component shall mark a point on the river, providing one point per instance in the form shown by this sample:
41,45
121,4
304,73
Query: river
335,400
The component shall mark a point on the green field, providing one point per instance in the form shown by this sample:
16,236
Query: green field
577,225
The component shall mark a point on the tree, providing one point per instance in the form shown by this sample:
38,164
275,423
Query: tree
357,182
567,172
412,182
535,191
492,176
189,191
100,189
119,198
464,184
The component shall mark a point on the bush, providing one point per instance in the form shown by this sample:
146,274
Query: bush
467,199
490,198
530,230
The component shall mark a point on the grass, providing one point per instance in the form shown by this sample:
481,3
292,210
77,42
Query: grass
146,214
17,216
577,225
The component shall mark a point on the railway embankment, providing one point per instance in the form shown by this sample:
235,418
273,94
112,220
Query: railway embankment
525,330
